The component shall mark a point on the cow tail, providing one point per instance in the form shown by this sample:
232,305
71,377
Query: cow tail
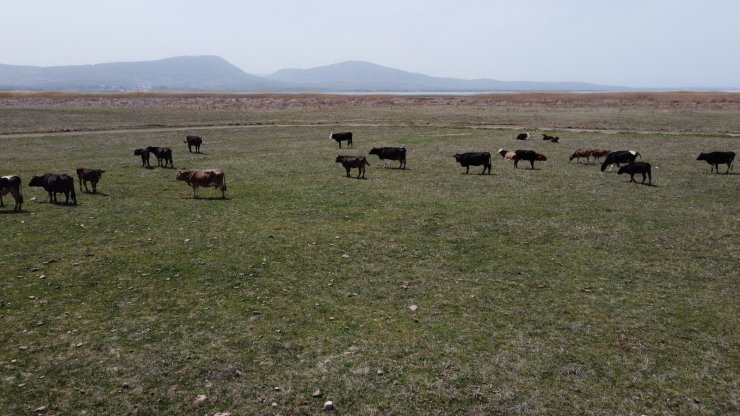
224,182
73,195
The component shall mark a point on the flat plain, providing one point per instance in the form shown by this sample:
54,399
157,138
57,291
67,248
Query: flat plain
559,290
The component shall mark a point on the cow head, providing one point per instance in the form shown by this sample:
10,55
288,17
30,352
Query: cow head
183,175
702,156
37,181
138,152
375,151
339,159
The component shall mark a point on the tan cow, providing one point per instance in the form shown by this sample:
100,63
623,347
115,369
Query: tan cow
206,178
507,154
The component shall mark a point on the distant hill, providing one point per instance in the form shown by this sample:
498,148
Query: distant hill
365,76
212,73
185,73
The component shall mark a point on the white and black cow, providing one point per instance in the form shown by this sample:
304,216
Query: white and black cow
11,185
618,157
390,153
343,136
474,159
522,136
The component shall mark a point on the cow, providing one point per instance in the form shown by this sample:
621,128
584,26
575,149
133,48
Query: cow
553,139
206,178
637,167
163,155
193,141
506,154
717,158
618,157
522,136
474,159
579,153
391,153
11,185
144,153
343,136
53,183
529,155
599,153
86,175
350,162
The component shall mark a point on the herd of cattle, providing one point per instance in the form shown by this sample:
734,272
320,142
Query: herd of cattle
62,183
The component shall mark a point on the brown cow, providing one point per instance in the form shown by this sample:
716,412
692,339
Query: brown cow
86,175
350,162
579,153
599,153
206,178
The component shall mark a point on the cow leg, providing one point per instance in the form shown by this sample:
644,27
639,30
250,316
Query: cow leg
531,164
467,169
95,187
87,190
643,178
1,201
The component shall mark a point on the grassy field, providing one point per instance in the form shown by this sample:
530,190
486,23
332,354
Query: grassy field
558,290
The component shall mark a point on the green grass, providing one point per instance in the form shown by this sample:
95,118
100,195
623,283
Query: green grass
555,291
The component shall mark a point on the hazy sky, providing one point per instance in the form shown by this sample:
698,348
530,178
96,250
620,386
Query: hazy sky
638,43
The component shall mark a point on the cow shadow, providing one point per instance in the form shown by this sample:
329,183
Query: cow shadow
10,211
722,173
94,193
206,198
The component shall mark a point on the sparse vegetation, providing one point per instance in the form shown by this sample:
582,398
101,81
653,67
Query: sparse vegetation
420,291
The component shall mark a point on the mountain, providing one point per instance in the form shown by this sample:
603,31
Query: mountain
212,73
364,76
184,73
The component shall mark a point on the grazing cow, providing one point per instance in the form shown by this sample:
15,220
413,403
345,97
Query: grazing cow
474,159
529,155
620,156
193,141
637,167
717,158
144,153
522,136
350,162
599,153
391,153
553,139
507,154
89,175
579,153
205,178
53,183
11,185
163,155
343,136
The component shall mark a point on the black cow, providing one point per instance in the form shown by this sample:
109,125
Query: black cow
86,175
528,155
522,136
53,183
144,157
343,136
11,185
474,159
163,155
391,153
637,167
618,157
193,141
718,158
350,162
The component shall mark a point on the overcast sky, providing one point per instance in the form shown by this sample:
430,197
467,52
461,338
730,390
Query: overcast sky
637,43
